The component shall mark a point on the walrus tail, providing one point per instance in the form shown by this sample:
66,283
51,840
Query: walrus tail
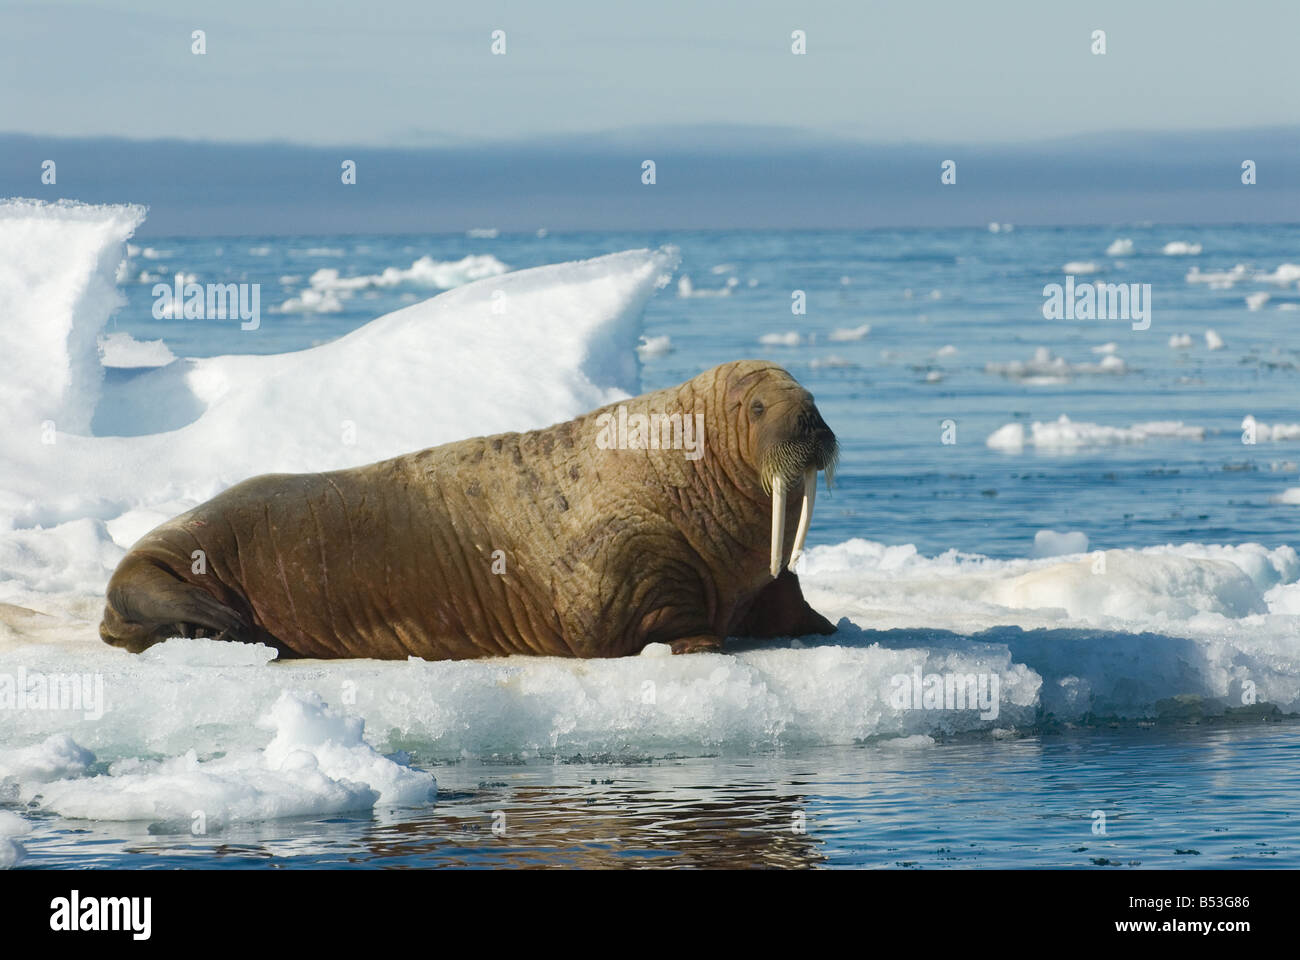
147,604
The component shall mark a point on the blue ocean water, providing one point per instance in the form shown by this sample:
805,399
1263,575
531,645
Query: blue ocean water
893,394
1179,796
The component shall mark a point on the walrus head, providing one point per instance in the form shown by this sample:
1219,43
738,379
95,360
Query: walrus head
788,442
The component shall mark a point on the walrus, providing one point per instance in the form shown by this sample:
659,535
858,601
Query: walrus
663,518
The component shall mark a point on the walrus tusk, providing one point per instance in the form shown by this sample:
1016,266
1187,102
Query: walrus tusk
778,524
805,514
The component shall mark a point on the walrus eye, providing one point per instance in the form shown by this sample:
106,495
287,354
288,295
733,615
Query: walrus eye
756,408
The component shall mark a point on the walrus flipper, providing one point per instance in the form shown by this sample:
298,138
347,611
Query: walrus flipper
147,604
780,610
699,643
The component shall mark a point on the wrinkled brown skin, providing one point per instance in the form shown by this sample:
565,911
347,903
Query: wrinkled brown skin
605,550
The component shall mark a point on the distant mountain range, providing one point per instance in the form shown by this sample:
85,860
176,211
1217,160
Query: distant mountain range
709,177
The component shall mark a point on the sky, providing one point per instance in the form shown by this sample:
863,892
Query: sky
391,73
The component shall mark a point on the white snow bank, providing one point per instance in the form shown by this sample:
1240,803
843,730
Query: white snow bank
1113,632
58,286
1065,435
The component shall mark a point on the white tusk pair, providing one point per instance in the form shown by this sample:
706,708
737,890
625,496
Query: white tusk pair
778,520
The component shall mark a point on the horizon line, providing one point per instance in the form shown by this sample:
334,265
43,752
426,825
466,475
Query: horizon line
816,138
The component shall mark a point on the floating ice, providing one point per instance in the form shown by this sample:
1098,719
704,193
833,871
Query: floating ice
1275,432
1065,435
1122,247
1049,543
1222,279
1080,266
687,289
654,346
317,762
831,361
120,349
54,758
1045,368
790,338
312,301
1285,275
1181,248
424,272
845,334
